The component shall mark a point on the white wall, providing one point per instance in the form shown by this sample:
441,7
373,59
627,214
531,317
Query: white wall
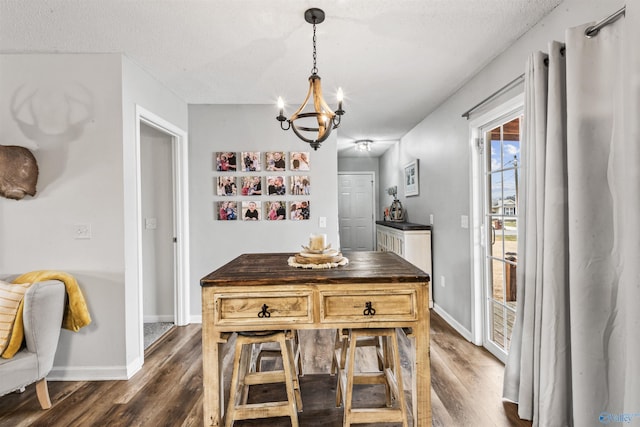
249,128
139,88
77,114
441,143
80,183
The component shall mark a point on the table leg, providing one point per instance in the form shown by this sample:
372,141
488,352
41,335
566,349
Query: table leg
414,381
211,370
423,375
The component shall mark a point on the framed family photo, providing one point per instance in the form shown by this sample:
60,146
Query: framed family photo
225,161
411,179
251,161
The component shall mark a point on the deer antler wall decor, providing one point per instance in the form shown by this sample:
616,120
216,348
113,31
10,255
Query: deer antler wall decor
18,172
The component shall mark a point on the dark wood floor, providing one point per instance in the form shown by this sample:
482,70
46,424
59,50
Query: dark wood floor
466,389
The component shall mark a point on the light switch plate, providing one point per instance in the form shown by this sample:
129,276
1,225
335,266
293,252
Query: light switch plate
150,223
82,231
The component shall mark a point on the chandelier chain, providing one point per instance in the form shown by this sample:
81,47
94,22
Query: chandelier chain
314,70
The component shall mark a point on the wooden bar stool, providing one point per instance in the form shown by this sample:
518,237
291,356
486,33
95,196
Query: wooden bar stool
243,377
385,342
272,351
341,346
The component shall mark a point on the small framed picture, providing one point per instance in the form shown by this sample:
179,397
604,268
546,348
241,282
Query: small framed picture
411,179
299,210
300,185
251,186
226,186
275,211
251,161
275,161
226,211
225,161
251,211
300,161
276,186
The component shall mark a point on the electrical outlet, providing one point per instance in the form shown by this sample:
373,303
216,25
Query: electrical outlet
322,222
464,221
442,281
431,219
82,231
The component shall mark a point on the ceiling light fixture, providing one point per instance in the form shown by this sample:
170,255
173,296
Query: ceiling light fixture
363,145
326,119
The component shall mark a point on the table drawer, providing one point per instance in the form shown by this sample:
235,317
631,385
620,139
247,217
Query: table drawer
262,308
370,306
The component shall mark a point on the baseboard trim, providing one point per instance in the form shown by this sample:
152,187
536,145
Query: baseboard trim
196,318
94,373
158,318
88,373
466,334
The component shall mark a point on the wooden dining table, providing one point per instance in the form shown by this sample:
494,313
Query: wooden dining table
256,292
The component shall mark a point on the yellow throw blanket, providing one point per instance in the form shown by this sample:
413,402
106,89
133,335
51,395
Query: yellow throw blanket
76,313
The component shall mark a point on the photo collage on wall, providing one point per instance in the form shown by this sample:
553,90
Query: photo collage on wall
261,186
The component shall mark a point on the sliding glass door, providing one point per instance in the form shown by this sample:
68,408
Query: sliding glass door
496,177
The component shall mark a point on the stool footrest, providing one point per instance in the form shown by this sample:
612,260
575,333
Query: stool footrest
365,378
265,377
251,411
376,415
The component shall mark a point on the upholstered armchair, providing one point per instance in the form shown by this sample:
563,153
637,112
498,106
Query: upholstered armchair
42,316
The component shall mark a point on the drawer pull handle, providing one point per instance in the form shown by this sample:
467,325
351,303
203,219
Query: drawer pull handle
369,311
264,312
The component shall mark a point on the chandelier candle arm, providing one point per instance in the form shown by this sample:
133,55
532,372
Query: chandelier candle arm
326,118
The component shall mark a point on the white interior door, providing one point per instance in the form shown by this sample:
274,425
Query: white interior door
356,211
157,205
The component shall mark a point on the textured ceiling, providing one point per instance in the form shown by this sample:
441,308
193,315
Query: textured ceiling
395,60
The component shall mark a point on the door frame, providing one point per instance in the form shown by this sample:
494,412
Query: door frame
179,148
372,174
478,232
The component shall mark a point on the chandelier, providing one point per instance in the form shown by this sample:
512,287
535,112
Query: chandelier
363,145
322,119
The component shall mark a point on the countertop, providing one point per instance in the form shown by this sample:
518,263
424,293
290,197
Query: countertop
404,226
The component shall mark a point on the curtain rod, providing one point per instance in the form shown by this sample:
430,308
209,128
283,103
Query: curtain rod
494,95
593,30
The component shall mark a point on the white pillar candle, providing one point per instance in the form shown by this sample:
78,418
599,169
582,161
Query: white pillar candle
317,242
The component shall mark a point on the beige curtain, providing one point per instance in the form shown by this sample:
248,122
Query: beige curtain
575,353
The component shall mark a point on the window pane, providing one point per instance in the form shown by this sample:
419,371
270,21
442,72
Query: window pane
497,237
497,324
496,192
511,318
511,143
497,288
509,185
496,148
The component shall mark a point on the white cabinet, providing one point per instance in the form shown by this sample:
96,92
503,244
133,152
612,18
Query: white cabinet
411,241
